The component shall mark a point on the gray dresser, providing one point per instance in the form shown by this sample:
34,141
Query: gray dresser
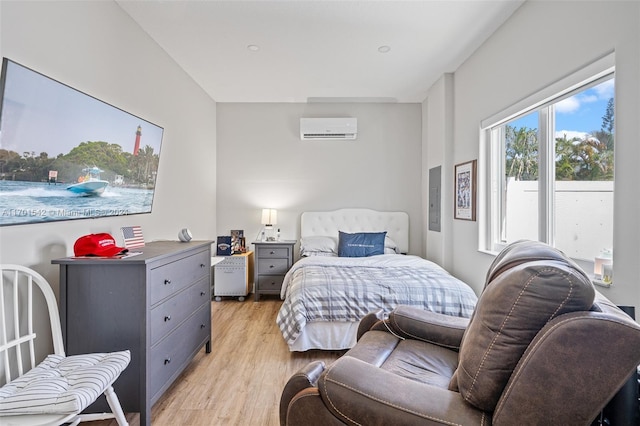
273,260
156,304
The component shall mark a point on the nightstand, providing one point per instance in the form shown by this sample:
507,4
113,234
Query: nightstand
273,260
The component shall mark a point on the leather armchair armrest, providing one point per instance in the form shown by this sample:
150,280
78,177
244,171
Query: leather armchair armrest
306,377
415,323
369,321
355,390
307,409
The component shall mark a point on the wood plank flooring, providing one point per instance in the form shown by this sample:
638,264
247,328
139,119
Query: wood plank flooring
240,381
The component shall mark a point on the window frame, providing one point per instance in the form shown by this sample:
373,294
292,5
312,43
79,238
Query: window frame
491,239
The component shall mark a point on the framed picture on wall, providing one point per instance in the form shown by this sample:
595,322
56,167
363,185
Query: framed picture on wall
465,191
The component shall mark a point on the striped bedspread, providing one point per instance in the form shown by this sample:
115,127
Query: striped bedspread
322,288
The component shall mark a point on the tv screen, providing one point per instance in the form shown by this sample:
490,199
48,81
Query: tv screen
66,155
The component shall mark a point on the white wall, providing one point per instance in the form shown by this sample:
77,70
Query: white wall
96,48
579,206
263,163
541,43
437,116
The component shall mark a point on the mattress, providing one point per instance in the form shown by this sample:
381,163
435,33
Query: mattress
342,290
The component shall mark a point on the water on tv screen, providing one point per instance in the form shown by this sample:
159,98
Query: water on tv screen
66,155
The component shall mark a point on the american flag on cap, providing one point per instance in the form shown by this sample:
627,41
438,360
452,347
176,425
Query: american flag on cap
132,236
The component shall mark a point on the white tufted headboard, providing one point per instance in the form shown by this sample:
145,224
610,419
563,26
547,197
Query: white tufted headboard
357,220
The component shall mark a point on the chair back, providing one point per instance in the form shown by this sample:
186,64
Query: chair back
528,285
18,286
573,367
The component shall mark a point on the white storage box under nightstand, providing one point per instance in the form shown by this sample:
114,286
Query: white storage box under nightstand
233,276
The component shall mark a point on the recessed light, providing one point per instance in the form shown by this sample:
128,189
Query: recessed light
253,47
384,49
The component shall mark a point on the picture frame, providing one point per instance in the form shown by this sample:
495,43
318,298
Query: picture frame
223,247
237,241
465,185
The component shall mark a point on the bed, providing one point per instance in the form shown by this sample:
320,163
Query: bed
326,295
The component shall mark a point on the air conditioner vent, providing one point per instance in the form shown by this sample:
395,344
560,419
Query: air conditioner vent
329,136
328,128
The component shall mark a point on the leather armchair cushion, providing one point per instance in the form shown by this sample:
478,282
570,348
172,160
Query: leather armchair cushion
357,392
422,362
408,358
514,306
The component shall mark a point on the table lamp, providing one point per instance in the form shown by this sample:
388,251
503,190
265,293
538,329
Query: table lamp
269,218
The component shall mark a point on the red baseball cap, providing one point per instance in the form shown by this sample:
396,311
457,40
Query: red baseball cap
97,245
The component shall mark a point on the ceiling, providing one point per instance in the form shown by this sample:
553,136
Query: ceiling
319,51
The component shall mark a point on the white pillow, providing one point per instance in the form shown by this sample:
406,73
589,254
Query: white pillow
316,245
318,253
390,246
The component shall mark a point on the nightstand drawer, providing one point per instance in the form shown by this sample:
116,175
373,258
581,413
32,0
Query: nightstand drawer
270,283
273,252
273,266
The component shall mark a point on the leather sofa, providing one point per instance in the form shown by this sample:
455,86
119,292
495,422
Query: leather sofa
542,347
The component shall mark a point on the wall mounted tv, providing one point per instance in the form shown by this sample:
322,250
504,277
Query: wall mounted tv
66,155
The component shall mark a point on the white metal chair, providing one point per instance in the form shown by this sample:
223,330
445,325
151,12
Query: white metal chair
58,389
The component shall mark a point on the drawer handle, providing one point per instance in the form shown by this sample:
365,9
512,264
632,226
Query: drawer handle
167,281
202,265
272,252
271,266
167,318
202,293
202,325
167,361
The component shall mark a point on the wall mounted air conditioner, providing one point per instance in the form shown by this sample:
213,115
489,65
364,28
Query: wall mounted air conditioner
328,128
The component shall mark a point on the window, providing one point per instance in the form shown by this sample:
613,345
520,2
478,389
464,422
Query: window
551,168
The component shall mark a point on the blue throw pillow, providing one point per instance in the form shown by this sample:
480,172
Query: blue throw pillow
361,244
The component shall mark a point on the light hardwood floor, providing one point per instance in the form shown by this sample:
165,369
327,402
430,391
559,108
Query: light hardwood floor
240,381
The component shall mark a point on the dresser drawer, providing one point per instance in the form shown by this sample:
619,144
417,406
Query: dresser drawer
168,315
273,266
270,283
170,355
172,277
273,252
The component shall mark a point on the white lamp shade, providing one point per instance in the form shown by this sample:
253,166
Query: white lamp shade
269,216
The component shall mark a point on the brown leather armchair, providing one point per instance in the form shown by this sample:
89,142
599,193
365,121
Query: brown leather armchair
542,347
